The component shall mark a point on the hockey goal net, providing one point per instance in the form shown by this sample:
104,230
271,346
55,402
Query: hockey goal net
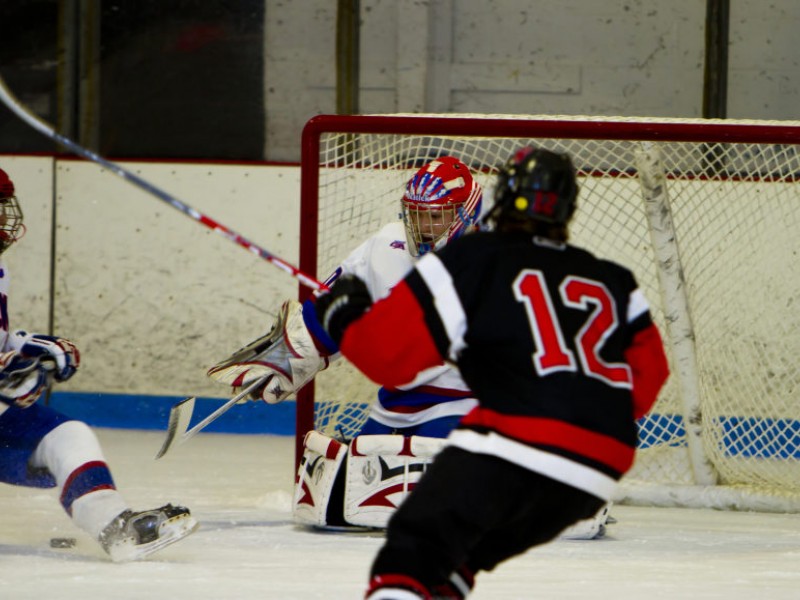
707,215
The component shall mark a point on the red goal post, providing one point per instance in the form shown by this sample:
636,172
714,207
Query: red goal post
707,215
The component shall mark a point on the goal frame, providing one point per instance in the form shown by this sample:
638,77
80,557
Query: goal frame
587,128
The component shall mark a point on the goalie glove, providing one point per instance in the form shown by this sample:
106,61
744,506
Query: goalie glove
61,353
347,300
23,379
286,356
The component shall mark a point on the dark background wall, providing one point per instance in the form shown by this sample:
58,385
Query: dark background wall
238,79
144,78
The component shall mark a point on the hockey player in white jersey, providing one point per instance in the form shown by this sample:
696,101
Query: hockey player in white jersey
441,202
360,482
41,447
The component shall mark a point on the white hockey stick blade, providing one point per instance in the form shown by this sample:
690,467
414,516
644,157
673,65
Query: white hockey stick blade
181,415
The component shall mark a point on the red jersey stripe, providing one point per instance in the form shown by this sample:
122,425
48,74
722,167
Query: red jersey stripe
556,434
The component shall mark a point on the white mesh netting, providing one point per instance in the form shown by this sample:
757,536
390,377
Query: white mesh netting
736,213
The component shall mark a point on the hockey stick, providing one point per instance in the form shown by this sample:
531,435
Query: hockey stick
8,98
181,414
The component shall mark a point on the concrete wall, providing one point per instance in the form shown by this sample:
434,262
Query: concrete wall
573,57
151,297
29,261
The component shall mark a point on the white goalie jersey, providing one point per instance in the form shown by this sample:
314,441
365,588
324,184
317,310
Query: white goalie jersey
381,262
360,484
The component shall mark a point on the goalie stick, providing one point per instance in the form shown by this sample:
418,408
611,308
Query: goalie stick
180,415
8,98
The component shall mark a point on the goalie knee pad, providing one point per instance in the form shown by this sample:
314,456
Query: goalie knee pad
319,466
360,485
381,471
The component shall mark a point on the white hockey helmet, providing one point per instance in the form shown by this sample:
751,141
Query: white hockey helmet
442,201
11,227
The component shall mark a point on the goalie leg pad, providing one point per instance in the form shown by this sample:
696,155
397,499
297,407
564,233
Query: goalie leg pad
322,458
381,471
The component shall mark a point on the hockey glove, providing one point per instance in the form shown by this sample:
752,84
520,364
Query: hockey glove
286,356
22,379
61,352
346,302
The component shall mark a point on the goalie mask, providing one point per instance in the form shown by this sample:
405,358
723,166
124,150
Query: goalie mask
442,201
11,227
536,185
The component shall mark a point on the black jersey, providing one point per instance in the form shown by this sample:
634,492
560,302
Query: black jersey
557,345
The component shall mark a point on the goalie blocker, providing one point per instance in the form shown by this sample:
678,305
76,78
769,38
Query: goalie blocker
286,356
341,486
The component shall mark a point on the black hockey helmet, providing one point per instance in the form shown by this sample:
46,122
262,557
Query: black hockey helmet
535,184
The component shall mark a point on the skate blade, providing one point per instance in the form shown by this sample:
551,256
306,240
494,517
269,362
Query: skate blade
171,531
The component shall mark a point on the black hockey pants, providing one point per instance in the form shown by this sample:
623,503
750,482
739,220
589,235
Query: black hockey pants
475,511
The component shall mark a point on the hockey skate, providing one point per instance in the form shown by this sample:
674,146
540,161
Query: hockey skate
593,528
135,535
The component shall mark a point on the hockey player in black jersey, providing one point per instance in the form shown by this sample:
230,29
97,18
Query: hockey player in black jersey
561,352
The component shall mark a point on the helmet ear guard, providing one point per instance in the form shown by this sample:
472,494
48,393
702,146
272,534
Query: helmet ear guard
536,185
441,202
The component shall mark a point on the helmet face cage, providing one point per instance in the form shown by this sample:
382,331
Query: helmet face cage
441,202
11,227
537,185
429,228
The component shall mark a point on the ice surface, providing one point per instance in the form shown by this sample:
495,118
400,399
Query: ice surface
247,547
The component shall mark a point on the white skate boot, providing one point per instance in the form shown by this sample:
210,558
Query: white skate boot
134,535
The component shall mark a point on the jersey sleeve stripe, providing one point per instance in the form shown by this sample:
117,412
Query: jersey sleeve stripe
392,342
637,305
430,316
448,305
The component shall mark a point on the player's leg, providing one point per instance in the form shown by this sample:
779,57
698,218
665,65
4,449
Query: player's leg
470,506
319,487
519,535
374,427
461,497
380,472
55,451
435,428
72,453
360,484
553,507
21,431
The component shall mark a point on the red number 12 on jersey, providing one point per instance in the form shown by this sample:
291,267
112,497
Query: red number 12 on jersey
552,352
